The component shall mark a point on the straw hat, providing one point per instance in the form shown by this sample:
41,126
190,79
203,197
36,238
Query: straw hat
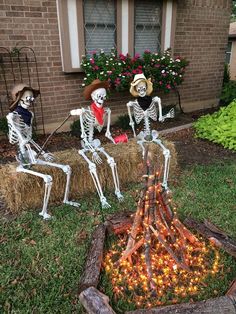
18,91
137,79
94,85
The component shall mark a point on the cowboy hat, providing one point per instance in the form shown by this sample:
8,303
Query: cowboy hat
94,85
18,91
137,79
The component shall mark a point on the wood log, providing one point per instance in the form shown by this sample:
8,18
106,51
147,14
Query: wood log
120,222
219,239
221,305
95,302
90,276
232,289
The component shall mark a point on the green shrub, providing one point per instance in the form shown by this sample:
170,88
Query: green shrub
75,128
123,122
220,127
3,125
226,78
228,93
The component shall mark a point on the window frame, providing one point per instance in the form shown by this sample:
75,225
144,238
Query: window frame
71,57
228,52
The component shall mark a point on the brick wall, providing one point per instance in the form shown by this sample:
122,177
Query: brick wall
200,36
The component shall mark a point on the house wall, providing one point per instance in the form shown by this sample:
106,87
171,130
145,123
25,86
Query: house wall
233,61
200,36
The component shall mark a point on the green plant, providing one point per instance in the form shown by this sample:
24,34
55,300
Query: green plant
75,128
166,72
228,93
123,122
220,127
3,125
226,77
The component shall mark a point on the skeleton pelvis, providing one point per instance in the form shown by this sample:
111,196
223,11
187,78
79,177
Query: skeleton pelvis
26,157
94,143
149,137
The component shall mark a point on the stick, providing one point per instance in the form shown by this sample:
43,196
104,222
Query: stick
49,137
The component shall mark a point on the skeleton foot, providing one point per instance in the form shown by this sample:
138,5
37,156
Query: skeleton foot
165,187
75,204
119,196
104,203
45,216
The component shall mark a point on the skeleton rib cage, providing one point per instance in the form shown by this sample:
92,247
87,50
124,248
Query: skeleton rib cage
17,126
140,114
88,122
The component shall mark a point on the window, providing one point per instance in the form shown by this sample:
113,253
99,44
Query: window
99,25
147,28
131,26
228,52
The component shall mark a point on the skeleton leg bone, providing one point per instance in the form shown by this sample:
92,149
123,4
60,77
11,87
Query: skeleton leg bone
67,170
113,166
93,172
166,154
48,185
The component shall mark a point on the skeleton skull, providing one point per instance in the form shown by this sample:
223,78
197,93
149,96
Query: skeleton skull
98,96
141,88
26,99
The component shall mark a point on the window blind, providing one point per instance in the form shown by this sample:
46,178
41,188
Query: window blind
99,25
147,28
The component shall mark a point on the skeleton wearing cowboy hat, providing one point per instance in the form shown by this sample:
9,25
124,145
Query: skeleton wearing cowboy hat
90,118
144,107
20,120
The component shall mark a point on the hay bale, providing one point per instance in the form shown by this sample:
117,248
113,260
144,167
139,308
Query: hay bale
22,191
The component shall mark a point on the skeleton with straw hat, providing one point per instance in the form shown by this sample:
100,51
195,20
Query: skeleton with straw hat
20,121
94,117
144,108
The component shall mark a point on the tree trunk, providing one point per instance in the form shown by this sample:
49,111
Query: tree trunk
216,237
221,305
90,276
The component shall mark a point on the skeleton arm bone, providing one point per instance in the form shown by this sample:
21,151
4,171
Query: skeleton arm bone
157,101
108,133
131,121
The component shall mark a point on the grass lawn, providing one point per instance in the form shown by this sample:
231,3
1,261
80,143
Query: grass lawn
41,261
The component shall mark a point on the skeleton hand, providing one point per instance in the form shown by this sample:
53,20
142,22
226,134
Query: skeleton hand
48,157
156,99
96,158
76,112
108,135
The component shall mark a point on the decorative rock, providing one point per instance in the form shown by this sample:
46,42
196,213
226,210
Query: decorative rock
95,302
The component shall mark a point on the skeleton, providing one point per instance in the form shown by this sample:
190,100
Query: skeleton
20,132
89,121
142,87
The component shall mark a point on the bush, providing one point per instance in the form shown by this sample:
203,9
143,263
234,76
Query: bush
220,127
226,78
123,122
75,128
3,125
166,73
228,93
